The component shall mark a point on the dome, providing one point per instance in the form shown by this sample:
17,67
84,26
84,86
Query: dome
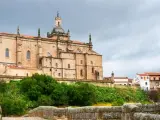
58,30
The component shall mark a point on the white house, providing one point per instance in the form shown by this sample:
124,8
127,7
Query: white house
143,81
148,80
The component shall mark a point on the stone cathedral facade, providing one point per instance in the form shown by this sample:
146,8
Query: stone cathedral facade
56,55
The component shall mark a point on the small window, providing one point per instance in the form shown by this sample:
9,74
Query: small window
91,62
92,69
48,54
40,61
56,65
7,52
141,77
145,83
27,74
81,72
59,74
154,78
50,69
157,83
69,66
28,55
81,61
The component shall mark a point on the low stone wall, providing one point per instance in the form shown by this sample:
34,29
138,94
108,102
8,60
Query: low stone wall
0,113
125,112
146,116
81,113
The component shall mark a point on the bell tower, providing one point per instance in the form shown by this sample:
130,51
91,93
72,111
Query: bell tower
58,20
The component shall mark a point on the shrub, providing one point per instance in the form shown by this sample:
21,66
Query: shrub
119,102
13,106
44,100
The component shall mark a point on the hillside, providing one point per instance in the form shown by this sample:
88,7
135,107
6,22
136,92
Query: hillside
17,97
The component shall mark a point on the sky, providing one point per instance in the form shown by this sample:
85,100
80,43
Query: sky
125,32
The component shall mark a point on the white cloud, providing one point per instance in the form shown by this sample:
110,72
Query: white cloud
131,67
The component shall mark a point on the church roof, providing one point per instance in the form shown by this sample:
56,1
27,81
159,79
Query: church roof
29,36
58,29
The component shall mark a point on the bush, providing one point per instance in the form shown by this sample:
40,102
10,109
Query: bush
119,102
154,95
60,95
13,106
82,94
44,100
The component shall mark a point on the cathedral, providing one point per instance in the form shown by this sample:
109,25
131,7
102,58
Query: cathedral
56,55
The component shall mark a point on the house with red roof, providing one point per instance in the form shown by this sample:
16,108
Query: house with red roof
148,80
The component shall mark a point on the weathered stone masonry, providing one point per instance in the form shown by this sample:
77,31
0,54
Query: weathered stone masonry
125,112
0,113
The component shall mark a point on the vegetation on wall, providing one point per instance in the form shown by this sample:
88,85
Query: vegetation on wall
17,97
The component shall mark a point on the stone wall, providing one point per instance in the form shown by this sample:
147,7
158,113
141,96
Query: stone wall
145,116
81,113
125,112
0,113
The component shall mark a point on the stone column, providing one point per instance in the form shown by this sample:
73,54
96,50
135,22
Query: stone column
39,53
19,51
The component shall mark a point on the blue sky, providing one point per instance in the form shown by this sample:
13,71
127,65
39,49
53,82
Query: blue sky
125,32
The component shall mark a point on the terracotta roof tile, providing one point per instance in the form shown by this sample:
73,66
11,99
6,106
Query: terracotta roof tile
153,73
76,41
29,36
120,77
142,74
149,73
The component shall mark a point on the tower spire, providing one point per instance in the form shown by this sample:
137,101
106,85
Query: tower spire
90,41
90,38
18,33
58,20
57,14
39,32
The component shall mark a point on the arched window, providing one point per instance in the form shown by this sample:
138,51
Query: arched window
69,66
7,52
28,55
81,61
92,69
81,72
